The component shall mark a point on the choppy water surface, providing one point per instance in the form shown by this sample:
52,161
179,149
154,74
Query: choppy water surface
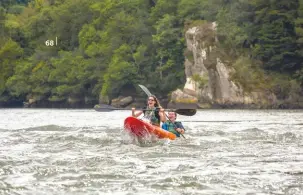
49,151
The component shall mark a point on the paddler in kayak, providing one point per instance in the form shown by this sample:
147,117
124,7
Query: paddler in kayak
173,126
153,111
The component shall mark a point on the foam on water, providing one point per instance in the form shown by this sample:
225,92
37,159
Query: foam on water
51,151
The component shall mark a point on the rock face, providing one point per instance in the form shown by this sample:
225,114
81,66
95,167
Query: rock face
122,101
103,99
208,78
69,102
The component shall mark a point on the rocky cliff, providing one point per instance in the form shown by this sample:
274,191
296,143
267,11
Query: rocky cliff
209,80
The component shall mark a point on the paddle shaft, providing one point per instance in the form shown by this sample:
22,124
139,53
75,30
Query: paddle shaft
111,109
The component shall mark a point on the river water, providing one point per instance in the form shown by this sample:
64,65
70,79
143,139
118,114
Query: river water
58,151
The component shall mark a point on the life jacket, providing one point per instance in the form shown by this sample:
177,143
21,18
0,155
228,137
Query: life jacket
152,115
171,127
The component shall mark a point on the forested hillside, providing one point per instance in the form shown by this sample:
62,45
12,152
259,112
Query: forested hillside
105,45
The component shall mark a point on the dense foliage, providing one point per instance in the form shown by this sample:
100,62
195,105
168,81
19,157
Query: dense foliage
104,45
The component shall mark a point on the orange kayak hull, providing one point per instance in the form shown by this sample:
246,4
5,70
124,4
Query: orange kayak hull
140,128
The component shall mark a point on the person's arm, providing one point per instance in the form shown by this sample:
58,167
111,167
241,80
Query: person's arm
138,113
180,128
162,115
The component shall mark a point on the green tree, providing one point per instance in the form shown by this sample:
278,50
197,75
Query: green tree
120,72
10,53
108,44
274,34
169,44
299,33
19,85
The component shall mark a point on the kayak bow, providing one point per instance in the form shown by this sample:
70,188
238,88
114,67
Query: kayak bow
140,128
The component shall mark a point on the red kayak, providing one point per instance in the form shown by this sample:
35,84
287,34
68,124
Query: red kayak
140,128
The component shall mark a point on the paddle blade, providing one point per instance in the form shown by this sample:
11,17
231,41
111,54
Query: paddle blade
182,105
187,109
147,92
186,112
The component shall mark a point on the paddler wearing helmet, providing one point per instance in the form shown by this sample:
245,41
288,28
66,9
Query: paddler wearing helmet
152,112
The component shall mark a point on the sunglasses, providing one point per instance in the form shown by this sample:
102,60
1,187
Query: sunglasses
151,100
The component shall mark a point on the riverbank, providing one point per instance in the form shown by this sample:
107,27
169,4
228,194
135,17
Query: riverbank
64,105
